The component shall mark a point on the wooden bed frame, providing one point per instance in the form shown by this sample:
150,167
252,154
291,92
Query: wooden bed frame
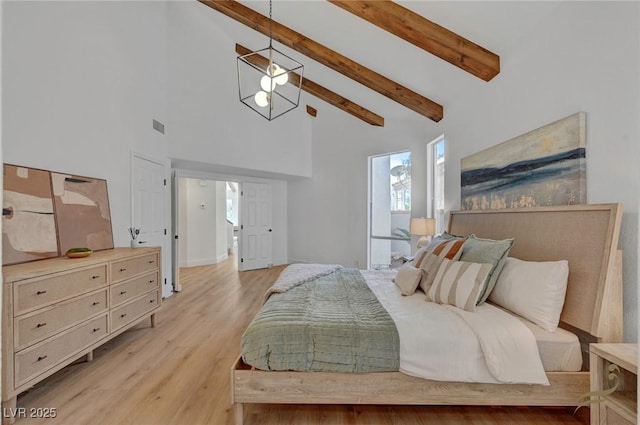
585,235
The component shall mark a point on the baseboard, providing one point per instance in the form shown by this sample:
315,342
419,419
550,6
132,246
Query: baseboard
296,261
200,262
204,261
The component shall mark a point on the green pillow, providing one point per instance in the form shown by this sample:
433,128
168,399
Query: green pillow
478,250
445,236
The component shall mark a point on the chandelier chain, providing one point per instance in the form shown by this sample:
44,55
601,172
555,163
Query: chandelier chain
270,23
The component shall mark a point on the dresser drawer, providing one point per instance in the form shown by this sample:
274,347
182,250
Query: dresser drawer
124,269
35,360
129,312
41,324
31,294
611,417
132,288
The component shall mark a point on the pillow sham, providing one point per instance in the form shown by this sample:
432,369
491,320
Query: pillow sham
451,250
478,250
437,240
408,278
459,283
419,257
534,290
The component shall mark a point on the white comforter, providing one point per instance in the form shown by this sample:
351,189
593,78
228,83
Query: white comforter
445,343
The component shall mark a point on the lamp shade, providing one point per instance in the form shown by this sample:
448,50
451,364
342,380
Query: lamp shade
422,226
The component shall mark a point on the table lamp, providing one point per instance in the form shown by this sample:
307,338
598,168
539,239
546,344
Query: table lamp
423,227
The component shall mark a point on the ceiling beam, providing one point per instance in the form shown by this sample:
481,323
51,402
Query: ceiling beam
426,34
312,111
318,91
329,58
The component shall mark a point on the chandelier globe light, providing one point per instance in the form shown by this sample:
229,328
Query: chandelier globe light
269,82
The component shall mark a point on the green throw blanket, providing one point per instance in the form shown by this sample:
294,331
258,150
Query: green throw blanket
333,323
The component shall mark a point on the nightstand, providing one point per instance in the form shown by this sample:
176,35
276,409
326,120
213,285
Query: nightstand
621,407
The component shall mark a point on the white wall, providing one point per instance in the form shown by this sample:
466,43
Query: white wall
81,84
203,232
207,123
328,213
562,66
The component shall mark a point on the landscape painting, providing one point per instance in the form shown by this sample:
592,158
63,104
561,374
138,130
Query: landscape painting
546,166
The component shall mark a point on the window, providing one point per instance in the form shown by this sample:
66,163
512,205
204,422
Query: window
232,202
390,209
435,189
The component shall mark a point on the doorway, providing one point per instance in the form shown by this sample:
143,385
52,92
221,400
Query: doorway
207,221
257,203
389,209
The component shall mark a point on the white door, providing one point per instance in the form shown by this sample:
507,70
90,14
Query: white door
256,233
150,203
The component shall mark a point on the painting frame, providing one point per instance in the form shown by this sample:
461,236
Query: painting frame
82,214
45,213
28,221
546,166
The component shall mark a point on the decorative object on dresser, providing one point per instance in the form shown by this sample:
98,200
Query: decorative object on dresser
28,225
58,310
78,252
81,211
546,166
620,407
59,212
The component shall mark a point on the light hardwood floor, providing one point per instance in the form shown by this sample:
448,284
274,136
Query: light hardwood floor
178,373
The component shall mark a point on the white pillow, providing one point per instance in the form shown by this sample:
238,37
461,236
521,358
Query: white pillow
459,283
408,278
534,290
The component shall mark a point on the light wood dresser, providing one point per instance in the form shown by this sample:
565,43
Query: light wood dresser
620,407
58,310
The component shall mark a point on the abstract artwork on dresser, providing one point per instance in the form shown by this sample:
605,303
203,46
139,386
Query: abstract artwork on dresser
82,212
28,224
546,166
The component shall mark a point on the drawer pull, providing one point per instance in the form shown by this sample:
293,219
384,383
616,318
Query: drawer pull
151,281
40,325
123,269
123,292
152,261
152,301
95,303
123,315
41,358
41,292
95,277
96,329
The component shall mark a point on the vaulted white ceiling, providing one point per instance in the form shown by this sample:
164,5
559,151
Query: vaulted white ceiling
497,26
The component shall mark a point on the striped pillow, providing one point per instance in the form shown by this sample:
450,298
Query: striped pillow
459,283
419,257
451,250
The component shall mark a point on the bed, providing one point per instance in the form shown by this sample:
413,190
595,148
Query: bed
585,235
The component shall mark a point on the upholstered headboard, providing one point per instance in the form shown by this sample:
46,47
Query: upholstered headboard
586,236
